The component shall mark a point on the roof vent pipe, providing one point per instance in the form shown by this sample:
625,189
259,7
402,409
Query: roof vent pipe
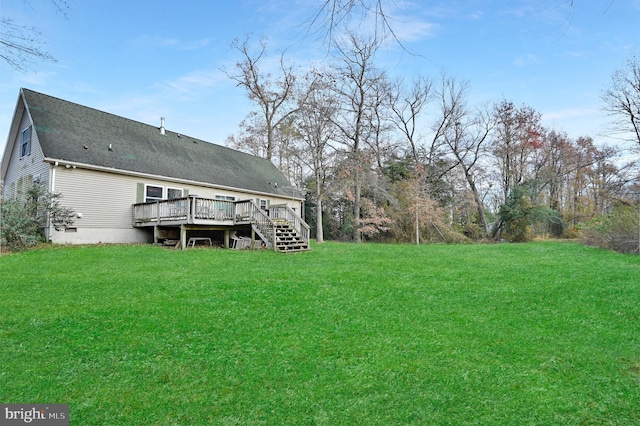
162,131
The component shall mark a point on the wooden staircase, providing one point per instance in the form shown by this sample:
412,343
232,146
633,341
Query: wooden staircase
288,240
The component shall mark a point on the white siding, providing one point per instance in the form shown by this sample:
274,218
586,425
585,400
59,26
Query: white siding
105,201
23,169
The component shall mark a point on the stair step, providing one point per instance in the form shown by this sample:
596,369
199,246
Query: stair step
290,249
287,238
291,243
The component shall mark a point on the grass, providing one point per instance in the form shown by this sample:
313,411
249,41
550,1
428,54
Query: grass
542,333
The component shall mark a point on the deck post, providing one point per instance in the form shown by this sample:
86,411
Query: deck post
253,238
183,237
273,238
191,212
226,238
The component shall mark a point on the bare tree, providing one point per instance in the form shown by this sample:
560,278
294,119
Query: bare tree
21,44
517,136
378,141
407,105
315,126
274,97
560,161
357,82
251,136
465,135
622,99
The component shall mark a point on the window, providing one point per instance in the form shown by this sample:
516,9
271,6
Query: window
155,193
263,204
174,193
26,142
227,208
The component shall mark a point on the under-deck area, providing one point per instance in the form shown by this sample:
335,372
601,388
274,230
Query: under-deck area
193,220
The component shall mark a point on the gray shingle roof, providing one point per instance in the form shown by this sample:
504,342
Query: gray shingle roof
75,133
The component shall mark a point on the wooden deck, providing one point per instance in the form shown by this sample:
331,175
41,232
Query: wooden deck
193,212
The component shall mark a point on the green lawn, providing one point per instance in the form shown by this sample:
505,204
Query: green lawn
541,333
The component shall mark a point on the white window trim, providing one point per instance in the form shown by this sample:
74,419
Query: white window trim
166,192
148,199
28,142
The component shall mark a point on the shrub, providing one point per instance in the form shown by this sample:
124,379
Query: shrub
618,231
515,215
521,219
24,217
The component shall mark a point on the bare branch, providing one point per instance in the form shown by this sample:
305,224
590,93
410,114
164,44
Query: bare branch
20,45
272,96
337,17
622,99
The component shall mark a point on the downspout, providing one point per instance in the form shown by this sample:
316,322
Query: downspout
1,199
52,190
52,178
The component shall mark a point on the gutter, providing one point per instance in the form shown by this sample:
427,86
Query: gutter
74,164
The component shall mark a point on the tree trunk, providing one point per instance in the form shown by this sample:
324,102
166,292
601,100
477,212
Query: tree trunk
357,237
418,219
319,231
479,204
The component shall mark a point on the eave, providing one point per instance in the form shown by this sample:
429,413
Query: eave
61,162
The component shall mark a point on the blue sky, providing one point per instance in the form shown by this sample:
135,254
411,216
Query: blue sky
150,59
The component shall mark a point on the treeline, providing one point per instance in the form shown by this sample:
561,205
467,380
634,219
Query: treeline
413,161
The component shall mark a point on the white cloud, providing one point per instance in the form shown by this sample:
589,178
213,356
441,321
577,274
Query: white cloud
156,41
190,84
578,121
414,30
474,15
526,60
571,113
198,44
35,79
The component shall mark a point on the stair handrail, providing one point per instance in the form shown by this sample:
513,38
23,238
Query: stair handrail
285,212
259,218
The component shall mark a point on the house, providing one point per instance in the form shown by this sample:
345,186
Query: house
130,182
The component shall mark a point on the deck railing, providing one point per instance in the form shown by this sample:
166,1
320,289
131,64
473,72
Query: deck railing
145,212
247,210
175,209
285,212
185,210
208,209
196,210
